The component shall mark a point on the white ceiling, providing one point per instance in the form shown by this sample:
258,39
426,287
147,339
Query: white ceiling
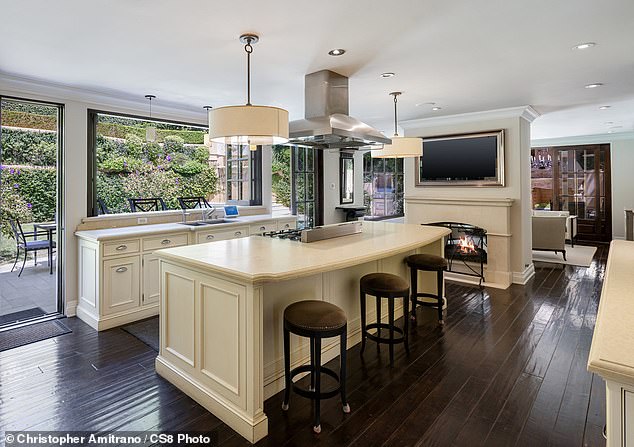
464,55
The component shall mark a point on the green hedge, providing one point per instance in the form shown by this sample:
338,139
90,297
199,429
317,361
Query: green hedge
116,130
29,120
28,147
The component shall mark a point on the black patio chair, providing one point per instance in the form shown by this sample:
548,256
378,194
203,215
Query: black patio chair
29,246
103,209
190,203
145,205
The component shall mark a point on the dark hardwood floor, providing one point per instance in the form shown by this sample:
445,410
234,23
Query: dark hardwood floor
508,369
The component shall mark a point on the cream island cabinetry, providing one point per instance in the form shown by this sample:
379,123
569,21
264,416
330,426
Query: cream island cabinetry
612,352
119,278
222,306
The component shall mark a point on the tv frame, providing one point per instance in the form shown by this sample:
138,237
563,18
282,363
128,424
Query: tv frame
499,169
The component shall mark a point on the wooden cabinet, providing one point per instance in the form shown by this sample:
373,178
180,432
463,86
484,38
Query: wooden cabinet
119,280
121,288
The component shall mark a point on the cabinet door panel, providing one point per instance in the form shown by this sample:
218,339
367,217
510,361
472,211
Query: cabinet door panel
121,287
151,280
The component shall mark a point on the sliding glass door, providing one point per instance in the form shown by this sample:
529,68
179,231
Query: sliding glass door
30,210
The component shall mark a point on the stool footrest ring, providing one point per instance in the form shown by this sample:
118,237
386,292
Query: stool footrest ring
384,340
313,394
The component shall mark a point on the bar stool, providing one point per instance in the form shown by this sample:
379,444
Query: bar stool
427,263
390,287
315,320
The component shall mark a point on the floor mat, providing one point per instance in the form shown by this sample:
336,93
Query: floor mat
25,335
145,330
579,255
22,315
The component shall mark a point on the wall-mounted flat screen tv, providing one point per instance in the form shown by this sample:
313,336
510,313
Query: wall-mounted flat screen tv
462,160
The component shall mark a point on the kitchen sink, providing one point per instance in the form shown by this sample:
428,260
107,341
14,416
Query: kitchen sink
201,223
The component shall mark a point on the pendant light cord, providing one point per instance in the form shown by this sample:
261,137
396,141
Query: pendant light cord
395,119
249,49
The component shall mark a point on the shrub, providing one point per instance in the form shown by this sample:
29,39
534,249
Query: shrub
120,165
110,190
117,130
173,144
281,174
12,204
28,120
29,190
29,147
201,154
188,168
133,146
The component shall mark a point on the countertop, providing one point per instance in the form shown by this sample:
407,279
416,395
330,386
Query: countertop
264,259
612,352
149,230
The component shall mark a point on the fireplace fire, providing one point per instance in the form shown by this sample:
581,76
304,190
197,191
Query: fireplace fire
465,246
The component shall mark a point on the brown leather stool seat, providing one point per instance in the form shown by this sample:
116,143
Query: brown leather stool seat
312,315
427,263
390,287
315,320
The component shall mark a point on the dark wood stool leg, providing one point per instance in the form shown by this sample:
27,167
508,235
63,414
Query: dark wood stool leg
378,320
440,291
414,291
406,322
287,369
317,369
363,321
390,304
312,362
343,356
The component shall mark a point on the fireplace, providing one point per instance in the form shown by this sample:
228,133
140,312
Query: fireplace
465,248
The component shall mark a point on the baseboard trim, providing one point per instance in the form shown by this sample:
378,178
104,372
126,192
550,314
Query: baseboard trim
110,321
525,276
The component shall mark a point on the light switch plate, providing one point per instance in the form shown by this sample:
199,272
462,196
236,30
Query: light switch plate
141,220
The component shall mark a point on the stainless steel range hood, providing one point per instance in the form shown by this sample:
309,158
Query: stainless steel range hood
327,124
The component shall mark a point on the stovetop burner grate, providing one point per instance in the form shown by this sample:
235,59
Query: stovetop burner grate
291,234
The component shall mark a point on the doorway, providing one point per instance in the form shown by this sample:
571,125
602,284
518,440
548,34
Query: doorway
31,230
576,179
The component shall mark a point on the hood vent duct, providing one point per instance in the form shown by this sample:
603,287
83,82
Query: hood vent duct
327,124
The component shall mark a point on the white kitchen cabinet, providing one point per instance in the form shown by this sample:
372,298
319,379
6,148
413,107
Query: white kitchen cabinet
221,234
121,288
119,278
263,227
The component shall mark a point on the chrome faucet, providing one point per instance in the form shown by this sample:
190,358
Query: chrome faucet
208,213
185,214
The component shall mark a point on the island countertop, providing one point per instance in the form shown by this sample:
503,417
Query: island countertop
264,259
612,352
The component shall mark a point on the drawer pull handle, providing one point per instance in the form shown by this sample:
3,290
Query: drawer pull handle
210,236
121,247
238,233
121,270
287,226
166,241
262,228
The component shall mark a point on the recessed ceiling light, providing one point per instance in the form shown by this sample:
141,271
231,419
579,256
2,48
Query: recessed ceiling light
604,107
584,46
387,74
425,104
436,108
594,85
337,52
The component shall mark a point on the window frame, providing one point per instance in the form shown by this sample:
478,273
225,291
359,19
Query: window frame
396,173
92,115
255,176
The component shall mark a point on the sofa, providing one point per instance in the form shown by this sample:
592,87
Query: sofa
571,222
549,233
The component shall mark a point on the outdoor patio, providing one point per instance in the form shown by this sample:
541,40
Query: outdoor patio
36,288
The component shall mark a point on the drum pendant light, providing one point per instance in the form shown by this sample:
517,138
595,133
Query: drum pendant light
150,131
248,124
401,147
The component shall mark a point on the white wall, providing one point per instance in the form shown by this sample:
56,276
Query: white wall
76,104
621,162
332,182
516,123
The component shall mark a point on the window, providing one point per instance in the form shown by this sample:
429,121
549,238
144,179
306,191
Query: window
382,186
135,157
244,171
305,189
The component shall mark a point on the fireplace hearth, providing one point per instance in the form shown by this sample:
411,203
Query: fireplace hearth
465,246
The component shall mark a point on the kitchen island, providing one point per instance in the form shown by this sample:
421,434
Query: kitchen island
222,306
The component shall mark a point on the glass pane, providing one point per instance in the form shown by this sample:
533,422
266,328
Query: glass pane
300,159
310,214
367,162
310,183
300,187
588,160
399,165
390,164
310,156
590,208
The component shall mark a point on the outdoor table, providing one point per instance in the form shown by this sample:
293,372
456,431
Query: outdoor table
49,228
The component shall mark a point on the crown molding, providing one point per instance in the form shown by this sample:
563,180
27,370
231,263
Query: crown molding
583,139
104,99
526,112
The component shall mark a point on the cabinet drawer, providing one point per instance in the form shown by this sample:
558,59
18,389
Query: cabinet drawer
221,235
263,227
121,247
286,224
169,240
